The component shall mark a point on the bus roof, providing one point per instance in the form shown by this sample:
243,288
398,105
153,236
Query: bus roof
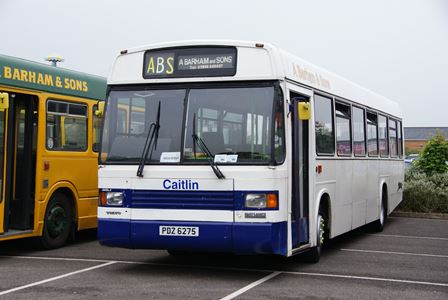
256,61
28,74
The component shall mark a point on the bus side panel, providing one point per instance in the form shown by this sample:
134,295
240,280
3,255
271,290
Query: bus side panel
373,198
87,213
336,179
343,198
394,172
359,195
81,171
397,185
262,238
79,167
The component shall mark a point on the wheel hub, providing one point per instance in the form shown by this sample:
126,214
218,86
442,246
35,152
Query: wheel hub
56,221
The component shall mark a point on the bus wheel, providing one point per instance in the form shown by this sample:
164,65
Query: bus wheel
313,255
378,225
58,222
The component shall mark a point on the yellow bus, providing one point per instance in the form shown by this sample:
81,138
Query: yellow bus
49,131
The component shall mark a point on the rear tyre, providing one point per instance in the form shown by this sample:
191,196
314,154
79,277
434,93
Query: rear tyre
57,222
378,225
313,255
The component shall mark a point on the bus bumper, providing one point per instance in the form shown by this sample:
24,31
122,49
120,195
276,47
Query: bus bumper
238,238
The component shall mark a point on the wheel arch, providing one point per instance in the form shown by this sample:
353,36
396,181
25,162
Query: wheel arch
324,203
69,191
383,190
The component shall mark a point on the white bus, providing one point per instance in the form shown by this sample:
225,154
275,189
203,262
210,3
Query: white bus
225,146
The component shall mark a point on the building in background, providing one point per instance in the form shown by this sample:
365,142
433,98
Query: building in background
415,138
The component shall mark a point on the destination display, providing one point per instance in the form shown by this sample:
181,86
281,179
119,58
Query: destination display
190,62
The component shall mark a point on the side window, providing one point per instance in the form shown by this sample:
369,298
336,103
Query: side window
66,126
400,139
359,140
323,108
279,131
382,133
343,133
393,138
372,137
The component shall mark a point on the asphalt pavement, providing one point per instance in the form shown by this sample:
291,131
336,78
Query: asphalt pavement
408,260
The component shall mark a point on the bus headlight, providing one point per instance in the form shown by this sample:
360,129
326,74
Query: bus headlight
255,201
261,200
114,198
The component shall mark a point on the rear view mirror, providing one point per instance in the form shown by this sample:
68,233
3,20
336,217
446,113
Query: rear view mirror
99,109
304,110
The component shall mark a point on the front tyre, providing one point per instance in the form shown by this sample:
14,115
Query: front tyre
313,255
57,222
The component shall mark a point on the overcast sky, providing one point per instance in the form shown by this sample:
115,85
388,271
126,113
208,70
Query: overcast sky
396,48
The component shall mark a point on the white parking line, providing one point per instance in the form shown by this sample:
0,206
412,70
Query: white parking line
55,278
250,286
409,236
420,219
368,278
397,253
382,279
57,258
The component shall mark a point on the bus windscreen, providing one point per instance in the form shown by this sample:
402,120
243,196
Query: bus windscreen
236,131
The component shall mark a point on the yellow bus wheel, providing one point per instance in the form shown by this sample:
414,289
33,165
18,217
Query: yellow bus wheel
58,222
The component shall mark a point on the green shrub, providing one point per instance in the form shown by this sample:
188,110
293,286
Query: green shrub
425,193
434,157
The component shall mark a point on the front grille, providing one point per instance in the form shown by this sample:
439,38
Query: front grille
219,200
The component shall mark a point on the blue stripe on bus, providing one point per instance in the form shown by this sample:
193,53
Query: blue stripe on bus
238,238
219,200
201,200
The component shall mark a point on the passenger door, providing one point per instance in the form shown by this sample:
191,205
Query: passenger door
17,161
4,103
300,171
22,138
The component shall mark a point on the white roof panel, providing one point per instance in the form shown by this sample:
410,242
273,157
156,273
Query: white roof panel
256,63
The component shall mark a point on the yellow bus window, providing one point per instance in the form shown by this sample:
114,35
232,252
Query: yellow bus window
66,126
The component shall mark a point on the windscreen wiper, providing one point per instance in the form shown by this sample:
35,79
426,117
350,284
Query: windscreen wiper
150,143
198,141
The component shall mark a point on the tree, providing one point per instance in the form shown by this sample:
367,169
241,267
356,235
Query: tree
434,157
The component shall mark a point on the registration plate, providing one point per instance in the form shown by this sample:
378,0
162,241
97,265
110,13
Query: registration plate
178,231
